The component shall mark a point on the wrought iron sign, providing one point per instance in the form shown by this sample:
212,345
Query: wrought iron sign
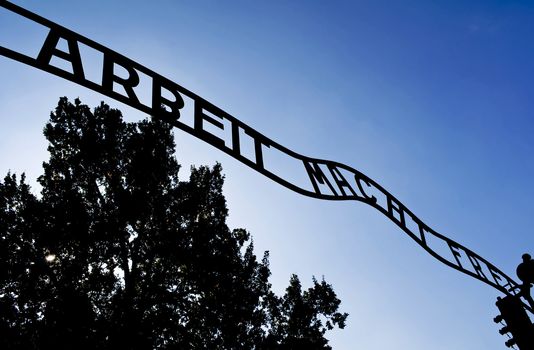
322,179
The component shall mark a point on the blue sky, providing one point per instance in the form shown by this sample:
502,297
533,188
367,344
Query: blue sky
430,99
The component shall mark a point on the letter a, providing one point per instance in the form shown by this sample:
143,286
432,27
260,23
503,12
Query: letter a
50,49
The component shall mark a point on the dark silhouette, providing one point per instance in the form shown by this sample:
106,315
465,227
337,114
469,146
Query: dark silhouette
343,182
525,272
117,253
517,324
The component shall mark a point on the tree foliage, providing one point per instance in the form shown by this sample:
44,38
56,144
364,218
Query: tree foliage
118,253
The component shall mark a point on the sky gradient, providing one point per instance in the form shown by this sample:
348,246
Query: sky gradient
433,100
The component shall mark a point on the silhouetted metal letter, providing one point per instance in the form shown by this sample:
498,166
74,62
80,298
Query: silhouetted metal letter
158,101
50,49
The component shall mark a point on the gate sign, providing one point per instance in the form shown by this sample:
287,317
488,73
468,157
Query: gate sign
323,179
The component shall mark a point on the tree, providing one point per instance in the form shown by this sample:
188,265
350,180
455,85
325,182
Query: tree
117,252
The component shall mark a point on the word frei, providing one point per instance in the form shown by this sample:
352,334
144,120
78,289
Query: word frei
120,79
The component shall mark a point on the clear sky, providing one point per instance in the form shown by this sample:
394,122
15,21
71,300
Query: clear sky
432,99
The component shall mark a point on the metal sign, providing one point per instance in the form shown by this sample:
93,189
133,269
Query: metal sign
323,179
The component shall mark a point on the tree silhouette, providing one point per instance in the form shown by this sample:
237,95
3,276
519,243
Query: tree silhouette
118,253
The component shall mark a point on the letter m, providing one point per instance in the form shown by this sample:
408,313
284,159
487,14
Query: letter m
317,177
